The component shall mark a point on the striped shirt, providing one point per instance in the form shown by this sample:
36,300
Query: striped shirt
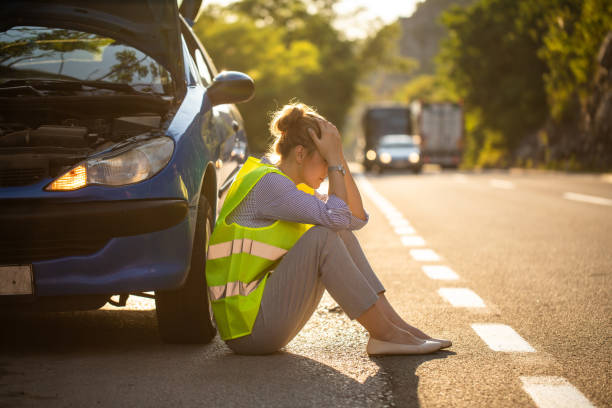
275,197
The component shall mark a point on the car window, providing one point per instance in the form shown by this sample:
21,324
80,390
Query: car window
397,141
193,69
200,60
58,53
203,68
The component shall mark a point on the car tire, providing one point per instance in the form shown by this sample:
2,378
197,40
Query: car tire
184,314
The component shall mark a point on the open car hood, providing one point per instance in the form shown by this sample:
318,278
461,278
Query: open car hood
150,25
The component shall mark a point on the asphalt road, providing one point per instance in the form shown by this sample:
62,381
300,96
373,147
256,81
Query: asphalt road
538,260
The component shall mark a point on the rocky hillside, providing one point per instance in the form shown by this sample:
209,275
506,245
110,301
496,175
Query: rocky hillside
422,32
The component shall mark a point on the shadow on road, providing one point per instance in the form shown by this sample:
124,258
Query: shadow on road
115,358
401,371
100,330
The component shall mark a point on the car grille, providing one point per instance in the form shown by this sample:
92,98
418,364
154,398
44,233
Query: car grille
38,249
20,177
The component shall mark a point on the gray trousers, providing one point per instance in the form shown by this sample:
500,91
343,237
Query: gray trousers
321,259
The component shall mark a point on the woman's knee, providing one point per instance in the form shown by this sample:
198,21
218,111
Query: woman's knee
346,234
319,233
320,230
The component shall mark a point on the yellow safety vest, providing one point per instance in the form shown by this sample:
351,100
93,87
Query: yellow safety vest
239,259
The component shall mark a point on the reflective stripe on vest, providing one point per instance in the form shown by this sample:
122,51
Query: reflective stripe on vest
245,245
233,289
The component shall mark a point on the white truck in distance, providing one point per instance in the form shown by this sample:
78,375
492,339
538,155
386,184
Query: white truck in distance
440,126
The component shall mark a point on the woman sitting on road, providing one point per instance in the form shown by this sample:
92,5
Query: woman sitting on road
278,244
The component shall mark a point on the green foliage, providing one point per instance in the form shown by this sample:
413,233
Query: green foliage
381,51
277,68
429,88
570,33
516,63
292,51
494,66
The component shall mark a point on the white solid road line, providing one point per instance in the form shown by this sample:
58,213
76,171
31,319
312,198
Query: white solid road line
439,272
412,241
587,198
461,297
554,392
426,255
497,183
500,337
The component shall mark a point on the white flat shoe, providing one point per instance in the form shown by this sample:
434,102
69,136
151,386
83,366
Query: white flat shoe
443,343
379,347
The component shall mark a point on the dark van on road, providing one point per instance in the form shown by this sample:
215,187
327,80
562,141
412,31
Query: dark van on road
117,137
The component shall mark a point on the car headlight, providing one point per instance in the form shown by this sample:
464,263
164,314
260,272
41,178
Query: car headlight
385,158
371,155
139,163
414,157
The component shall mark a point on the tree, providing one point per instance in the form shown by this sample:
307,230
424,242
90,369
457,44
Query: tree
292,50
521,67
494,67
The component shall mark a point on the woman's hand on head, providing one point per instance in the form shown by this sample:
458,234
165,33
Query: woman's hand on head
330,143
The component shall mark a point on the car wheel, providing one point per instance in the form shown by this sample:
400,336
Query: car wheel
184,314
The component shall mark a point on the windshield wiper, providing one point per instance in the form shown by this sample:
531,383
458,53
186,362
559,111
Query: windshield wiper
28,85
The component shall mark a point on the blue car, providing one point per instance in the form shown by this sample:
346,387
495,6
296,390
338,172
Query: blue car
118,139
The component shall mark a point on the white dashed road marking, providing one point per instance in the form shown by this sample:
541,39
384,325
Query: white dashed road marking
400,223
546,392
461,297
426,255
412,241
554,392
500,337
393,214
440,272
587,198
497,183
404,230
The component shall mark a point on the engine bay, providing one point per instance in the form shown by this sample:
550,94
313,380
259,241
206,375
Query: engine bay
46,140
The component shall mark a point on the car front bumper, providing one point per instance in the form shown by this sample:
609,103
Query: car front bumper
102,247
400,164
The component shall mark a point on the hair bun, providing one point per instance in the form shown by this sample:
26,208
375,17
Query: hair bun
289,117
290,125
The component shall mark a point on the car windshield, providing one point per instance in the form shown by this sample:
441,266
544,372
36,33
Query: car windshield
397,141
28,52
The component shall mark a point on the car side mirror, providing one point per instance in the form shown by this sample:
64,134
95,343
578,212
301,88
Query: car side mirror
231,87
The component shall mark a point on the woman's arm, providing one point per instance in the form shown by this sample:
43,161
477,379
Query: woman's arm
352,193
275,197
344,187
